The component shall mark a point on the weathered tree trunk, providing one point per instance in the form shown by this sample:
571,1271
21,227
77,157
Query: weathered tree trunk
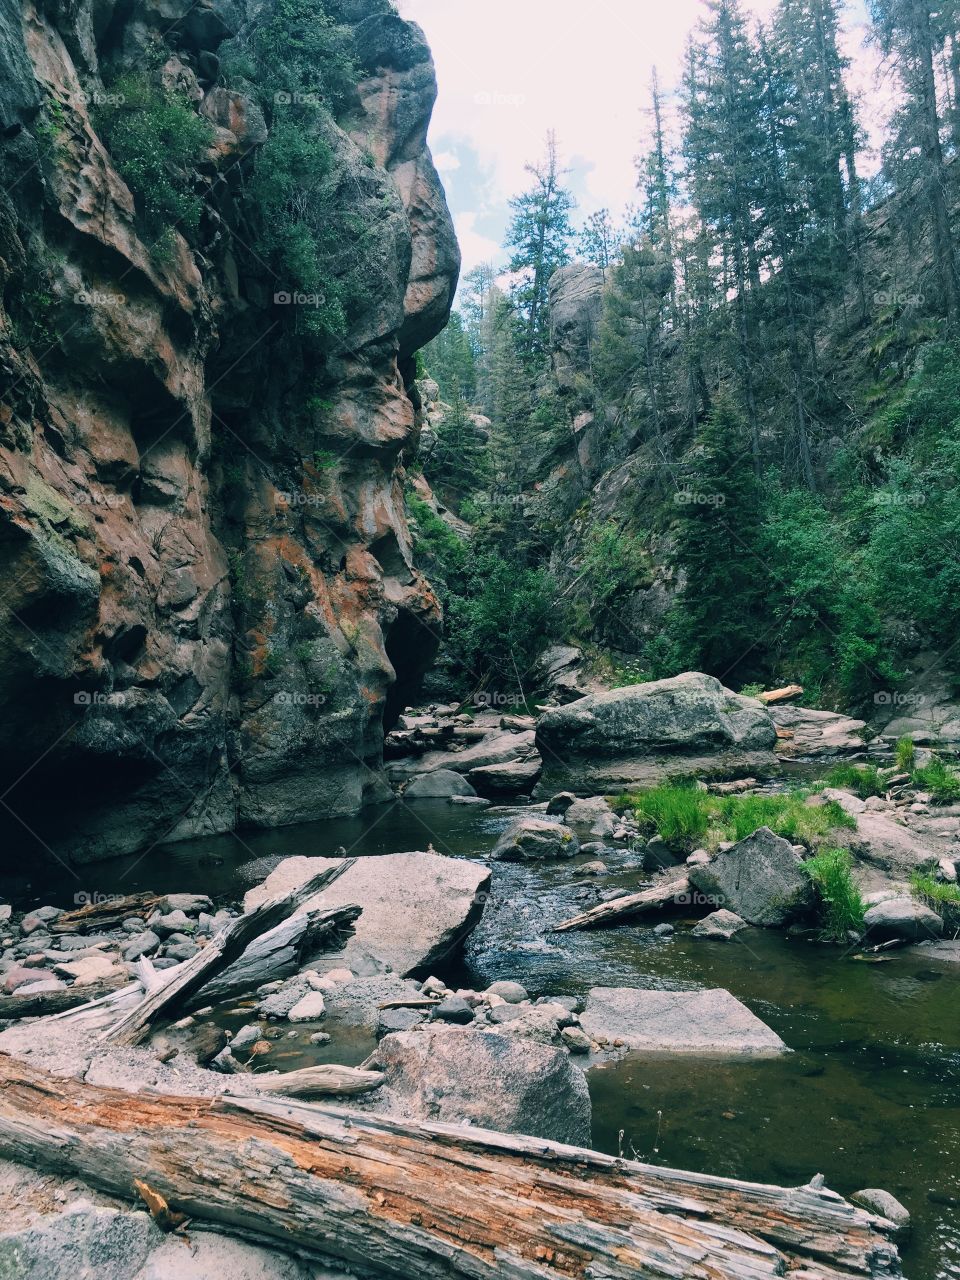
326,1080
221,951
664,893
49,1002
431,1201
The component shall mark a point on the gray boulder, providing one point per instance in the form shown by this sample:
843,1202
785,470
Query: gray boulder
881,1202
706,1022
417,907
474,1076
528,838
641,733
720,924
439,784
512,992
591,817
759,878
902,918
510,778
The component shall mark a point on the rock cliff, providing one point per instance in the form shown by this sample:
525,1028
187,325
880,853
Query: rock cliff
208,601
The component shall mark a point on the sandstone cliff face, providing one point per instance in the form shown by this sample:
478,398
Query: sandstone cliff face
207,597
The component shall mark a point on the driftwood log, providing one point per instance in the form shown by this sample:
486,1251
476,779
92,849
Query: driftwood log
667,892
45,1003
326,1080
432,1201
221,951
108,914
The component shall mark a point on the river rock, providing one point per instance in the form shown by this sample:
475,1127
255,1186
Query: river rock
190,904
511,992
641,733
902,918
886,843
417,907
759,878
309,1008
511,778
561,802
591,817
528,838
439,784
721,924
498,747
247,1036
883,1204
470,1075
453,1009
141,944
813,732
707,1022
89,969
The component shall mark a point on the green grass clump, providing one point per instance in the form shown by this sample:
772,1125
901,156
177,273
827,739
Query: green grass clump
681,813
864,779
940,780
684,816
842,907
906,755
943,898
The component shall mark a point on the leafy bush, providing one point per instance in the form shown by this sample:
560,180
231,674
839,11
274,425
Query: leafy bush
864,779
942,782
841,903
155,138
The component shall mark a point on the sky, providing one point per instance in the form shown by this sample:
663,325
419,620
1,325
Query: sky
509,70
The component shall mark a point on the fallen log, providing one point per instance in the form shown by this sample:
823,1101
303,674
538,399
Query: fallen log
773,696
665,893
326,1080
108,914
432,1201
220,952
46,1003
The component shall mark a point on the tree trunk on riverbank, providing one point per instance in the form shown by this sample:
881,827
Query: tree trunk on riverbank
434,1201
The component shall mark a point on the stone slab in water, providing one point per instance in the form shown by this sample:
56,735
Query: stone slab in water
417,907
705,1022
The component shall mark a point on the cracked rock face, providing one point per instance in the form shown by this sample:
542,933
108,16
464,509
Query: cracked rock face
208,603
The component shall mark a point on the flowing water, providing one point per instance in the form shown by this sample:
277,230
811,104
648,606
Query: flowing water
870,1097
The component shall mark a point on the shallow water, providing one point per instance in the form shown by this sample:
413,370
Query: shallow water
870,1097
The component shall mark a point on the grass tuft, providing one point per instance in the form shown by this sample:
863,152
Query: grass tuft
940,780
864,779
942,897
842,907
906,755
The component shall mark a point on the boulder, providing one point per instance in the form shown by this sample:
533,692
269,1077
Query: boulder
760,878
886,843
498,747
640,734
805,731
141,944
511,992
721,924
417,907
591,817
440,784
884,1205
528,838
511,778
480,1077
453,1009
89,969
902,918
707,1022
309,1008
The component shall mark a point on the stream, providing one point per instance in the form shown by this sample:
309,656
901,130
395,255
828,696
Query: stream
870,1097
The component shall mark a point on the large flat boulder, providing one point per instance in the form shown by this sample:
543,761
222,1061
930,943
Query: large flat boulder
806,731
760,879
706,1022
902,918
468,1075
495,748
639,734
441,784
417,907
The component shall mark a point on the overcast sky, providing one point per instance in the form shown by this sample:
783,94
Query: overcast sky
509,70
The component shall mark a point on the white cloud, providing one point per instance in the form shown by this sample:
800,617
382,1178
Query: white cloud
446,161
509,70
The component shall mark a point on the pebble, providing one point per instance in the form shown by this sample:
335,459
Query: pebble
320,1037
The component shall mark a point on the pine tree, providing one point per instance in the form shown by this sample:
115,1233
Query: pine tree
907,31
599,241
540,234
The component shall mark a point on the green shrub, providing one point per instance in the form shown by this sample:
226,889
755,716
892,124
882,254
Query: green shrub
680,813
906,755
942,782
155,139
842,906
862,779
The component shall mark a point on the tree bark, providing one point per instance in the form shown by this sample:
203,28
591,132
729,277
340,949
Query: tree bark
660,895
431,1201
